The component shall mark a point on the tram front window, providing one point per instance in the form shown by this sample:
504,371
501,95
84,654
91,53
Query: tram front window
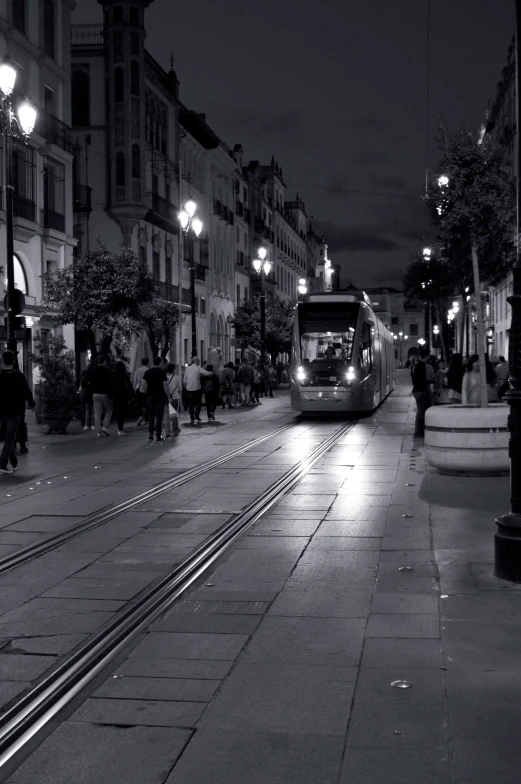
326,346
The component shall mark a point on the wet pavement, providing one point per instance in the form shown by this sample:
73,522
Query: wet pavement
278,666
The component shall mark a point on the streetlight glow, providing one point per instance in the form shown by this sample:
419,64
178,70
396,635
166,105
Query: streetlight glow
421,341
262,253
302,289
197,226
183,219
427,253
27,117
443,181
190,207
7,78
257,264
267,267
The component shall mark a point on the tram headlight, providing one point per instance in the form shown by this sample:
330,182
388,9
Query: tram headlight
301,375
350,375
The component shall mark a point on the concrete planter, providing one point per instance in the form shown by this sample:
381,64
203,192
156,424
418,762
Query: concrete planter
468,440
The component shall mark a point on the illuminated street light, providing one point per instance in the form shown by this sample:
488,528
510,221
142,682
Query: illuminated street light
427,253
192,227
443,181
421,341
263,267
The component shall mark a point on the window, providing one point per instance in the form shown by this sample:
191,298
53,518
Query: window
54,194
155,184
24,169
48,27
245,195
413,330
136,162
19,14
134,77
365,360
134,16
119,90
80,88
143,255
134,44
394,320
238,295
117,14
246,295
237,235
120,168
156,267
168,270
203,306
20,281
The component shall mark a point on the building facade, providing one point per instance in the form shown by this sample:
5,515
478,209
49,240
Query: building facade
35,35
405,318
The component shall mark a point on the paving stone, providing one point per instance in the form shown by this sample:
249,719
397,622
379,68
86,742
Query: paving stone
403,625
177,621
146,712
419,654
148,688
306,502
48,525
358,512
60,643
89,544
322,603
407,766
481,645
374,686
11,689
19,667
419,726
484,689
475,761
72,621
223,608
91,754
177,645
174,668
403,557
345,543
421,603
83,588
358,529
284,698
216,756
482,607
312,641
281,528
343,559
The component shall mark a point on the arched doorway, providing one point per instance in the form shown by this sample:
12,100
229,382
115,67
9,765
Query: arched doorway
213,331
220,334
20,278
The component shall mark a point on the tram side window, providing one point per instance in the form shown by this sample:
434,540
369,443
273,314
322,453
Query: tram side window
365,360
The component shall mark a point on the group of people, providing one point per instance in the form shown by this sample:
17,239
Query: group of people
461,380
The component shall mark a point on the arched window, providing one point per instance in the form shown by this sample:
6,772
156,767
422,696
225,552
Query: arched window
80,89
134,77
119,89
20,281
120,168
136,162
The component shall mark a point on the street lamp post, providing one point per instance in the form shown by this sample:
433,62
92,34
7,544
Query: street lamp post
263,267
192,227
19,126
507,539
400,337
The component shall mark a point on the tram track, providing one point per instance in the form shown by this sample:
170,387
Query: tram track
95,520
37,707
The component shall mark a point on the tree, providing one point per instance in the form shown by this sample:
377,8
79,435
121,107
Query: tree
101,294
279,325
472,204
431,281
159,317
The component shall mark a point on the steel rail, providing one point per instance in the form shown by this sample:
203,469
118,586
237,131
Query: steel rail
25,554
35,709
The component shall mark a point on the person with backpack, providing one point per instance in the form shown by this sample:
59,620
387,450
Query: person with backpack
121,391
228,386
192,382
246,380
423,380
211,386
255,387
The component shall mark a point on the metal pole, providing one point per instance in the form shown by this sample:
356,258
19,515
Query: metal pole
180,251
11,327
263,317
193,302
507,539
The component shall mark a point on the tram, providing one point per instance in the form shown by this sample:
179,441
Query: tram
342,356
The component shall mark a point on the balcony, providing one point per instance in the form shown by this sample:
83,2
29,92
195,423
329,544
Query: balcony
240,258
217,208
81,198
247,215
259,225
53,220
239,208
224,213
161,213
230,217
24,208
87,35
200,272
56,132
204,252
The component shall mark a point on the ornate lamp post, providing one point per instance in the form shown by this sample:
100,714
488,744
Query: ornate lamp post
13,125
263,267
400,337
302,287
192,227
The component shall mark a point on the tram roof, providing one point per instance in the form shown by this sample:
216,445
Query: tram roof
338,296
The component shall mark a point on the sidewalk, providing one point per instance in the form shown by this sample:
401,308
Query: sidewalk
278,668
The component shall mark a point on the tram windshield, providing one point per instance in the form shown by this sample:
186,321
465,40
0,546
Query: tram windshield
327,332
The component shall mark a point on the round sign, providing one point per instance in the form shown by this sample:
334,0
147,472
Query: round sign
18,304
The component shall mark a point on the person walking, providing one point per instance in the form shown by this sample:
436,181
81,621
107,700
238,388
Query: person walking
141,392
502,374
121,391
173,402
471,387
157,395
228,386
211,386
86,410
455,375
246,379
192,381
423,380
14,394
101,397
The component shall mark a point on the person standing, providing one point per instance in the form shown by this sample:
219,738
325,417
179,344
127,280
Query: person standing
86,412
502,374
246,380
228,386
455,375
423,380
211,386
157,395
14,394
121,391
471,387
101,397
141,392
173,402
192,382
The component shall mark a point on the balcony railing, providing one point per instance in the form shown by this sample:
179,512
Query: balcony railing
217,208
161,213
53,220
24,208
230,217
87,35
239,208
247,214
56,132
225,212
81,198
240,258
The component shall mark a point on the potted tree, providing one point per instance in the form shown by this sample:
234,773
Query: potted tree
56,387
472,204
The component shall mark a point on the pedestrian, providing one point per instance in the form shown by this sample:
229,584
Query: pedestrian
192,382
157,395
470,389
211,386
101,397
455,375
14,394
173,402
245,379
272,378
228,386
502,374
121,391
423,383
255,387
141,392
86,409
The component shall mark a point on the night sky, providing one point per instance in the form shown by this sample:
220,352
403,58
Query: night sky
336,91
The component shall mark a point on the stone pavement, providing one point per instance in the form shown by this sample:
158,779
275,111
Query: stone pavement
277,668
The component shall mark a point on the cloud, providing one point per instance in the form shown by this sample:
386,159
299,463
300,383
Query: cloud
343,238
